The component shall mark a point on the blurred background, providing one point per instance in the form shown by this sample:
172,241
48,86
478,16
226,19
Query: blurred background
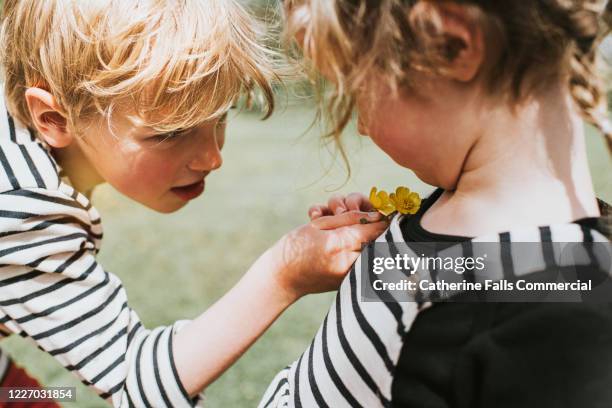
175,266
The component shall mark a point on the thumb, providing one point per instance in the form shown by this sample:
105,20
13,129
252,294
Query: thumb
352,237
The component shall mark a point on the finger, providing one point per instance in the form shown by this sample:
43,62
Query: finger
348,218
317,211
336,204
352,237
358,202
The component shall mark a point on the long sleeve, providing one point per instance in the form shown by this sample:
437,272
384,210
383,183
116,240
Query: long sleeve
54,292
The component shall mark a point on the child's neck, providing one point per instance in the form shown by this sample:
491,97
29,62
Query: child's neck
83,177
527,168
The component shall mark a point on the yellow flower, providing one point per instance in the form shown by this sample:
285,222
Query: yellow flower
405,201
381,202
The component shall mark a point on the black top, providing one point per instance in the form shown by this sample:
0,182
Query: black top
498,355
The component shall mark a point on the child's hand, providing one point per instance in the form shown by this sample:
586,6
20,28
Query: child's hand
338,204
315,257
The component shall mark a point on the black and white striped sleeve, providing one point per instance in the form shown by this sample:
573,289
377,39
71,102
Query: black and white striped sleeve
53,291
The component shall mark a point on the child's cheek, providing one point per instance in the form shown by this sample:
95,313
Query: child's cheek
145,171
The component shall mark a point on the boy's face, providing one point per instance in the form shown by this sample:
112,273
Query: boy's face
163,172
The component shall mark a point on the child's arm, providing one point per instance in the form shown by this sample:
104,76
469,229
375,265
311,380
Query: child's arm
313,258
53,291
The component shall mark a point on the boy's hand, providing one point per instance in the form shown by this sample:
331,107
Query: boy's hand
339,204
315,257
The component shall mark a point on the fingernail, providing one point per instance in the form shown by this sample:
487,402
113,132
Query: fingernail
315,214
374,216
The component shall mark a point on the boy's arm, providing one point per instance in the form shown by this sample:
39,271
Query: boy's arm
310,259
54,292
230,326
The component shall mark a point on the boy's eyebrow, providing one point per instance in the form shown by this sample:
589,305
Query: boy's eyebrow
153,132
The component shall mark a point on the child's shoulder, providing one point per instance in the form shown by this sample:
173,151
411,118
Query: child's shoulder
24,162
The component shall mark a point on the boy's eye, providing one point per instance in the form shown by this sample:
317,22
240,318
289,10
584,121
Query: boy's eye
165,137
222,120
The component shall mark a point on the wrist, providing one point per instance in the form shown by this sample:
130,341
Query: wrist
271,273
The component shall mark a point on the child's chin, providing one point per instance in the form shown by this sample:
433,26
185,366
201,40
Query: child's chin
166,207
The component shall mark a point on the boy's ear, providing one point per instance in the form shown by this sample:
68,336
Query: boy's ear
464,46
50,123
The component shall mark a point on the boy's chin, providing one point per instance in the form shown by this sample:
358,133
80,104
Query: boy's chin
165,206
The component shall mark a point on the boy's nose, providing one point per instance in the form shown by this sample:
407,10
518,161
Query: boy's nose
207,157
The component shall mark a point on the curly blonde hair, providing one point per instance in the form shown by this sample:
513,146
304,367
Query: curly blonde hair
536,42
175,63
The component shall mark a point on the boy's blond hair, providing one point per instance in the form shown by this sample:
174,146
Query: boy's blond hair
172,63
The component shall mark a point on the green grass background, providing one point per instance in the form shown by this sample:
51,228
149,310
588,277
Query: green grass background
175,266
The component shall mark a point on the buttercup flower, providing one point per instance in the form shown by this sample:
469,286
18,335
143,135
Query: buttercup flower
381,202
405,201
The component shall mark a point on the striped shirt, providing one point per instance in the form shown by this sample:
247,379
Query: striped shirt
53,291
353,358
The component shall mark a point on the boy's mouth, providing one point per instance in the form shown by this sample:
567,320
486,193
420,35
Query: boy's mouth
190,191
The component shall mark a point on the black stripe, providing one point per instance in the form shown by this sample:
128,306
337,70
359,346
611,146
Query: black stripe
108,369
296,378
42,197
160,385
11,124
468,252
329,366
130,402
26,156
75,194
177,379
79,319
19,278
8,170
588,235
32,135
506,256
58,221
50,288
18,248
34,274
51,161
588,244
20,215
76,343
97,352
32,264
138,377
350,354
38,227
548,253
367,329
114,389
280,384
133,332
311,378
52,309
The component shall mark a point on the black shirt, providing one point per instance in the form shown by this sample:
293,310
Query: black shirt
469,355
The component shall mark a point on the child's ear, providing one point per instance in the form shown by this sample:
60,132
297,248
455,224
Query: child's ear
47,117
461,28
